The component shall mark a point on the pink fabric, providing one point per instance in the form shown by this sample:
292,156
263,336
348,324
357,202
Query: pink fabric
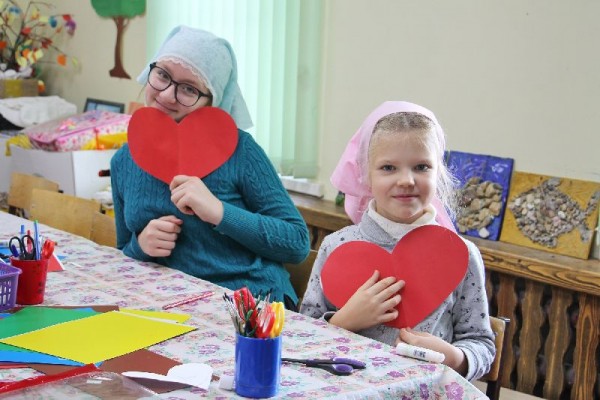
350,175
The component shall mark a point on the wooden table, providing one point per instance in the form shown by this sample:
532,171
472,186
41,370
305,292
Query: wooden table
103,275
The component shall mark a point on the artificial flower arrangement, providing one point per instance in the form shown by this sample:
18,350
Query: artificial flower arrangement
27,36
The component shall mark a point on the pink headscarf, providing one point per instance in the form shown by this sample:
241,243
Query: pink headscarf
350,175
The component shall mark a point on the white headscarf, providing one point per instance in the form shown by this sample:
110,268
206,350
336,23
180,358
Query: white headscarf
213,59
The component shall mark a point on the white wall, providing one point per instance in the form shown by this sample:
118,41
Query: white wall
517,78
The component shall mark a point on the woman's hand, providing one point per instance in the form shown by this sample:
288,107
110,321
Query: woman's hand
159,236
191,196
454,357
373,303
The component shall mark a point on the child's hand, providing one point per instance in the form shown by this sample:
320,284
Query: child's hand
159,236
374,303
191,196
454,357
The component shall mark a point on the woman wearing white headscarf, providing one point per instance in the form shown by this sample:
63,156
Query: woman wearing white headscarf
235,226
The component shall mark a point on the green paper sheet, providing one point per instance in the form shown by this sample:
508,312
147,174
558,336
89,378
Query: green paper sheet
33,318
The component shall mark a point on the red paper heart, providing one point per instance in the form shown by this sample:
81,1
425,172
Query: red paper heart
196,146
432,260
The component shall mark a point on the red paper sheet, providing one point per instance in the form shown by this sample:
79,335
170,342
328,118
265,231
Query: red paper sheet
196,146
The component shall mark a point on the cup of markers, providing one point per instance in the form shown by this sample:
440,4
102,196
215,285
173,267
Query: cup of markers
258,324
30,254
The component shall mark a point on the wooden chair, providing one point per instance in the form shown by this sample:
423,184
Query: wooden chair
300,273
134,106
19,193
104,230
494,377
62,211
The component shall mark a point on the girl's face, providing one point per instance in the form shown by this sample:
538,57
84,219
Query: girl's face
402,174
165,100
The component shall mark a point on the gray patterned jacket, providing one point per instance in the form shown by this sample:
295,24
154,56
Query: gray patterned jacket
462,319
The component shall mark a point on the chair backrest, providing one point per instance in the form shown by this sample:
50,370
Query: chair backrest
299,273
134,106
493,378
19,193
104,230
62,211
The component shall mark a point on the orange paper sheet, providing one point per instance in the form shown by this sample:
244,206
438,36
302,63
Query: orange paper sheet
98,338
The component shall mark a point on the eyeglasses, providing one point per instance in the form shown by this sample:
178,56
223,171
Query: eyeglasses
185,94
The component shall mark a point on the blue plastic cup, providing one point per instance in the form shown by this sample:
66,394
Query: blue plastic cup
257,366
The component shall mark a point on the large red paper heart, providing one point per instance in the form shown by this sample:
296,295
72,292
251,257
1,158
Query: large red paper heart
196,146
432,260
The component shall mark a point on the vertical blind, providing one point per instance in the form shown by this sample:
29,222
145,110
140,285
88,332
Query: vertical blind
278,49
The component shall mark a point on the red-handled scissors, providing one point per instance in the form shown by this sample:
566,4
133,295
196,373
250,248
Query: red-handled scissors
244,301
246,308
47,249
264,322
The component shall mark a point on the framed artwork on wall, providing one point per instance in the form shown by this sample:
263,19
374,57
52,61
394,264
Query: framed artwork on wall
103,105
484,184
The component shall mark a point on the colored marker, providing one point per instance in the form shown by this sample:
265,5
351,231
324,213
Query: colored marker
188,300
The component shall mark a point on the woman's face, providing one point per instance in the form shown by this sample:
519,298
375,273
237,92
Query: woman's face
165,100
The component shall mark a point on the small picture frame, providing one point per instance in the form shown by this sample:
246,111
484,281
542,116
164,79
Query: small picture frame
95,104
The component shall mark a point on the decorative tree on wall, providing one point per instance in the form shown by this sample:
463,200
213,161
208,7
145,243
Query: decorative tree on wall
121,11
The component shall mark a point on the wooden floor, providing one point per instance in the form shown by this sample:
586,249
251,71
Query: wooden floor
507,394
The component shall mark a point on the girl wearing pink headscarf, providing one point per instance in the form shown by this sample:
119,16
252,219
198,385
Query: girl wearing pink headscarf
396,179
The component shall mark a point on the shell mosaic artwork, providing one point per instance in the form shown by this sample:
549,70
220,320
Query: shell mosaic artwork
479,203
543,213
484,182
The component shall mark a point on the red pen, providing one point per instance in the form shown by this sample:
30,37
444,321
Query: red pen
29,244
192,299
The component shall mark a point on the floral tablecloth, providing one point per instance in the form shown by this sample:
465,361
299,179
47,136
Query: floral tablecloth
97,275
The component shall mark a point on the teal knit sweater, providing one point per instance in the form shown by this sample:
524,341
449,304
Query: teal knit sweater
260,230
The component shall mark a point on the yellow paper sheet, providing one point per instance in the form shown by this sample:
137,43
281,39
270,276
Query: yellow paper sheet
98,338
157,314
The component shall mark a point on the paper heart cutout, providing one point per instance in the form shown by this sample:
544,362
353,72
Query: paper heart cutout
431,259
196,146
193,374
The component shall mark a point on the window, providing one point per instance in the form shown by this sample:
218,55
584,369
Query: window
278,48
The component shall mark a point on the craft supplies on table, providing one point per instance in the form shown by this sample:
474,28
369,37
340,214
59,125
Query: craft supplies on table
32,282
103,275
258,325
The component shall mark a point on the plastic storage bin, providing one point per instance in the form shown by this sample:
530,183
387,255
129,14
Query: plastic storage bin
9,277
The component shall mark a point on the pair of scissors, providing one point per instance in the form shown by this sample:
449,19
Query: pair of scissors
264,322
246,308
279,318
25,248
244,301
336,365
47,249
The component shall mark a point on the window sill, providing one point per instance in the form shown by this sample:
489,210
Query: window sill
302,185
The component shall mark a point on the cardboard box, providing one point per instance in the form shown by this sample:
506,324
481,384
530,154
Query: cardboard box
4,166
76,172
18,88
